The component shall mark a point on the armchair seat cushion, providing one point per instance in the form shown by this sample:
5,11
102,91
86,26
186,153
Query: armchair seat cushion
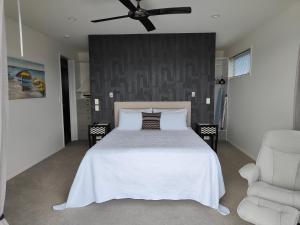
263,212
275,194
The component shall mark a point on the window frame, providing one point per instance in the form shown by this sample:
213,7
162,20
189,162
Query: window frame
231,60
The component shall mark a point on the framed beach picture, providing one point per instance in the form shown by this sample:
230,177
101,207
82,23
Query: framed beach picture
26,79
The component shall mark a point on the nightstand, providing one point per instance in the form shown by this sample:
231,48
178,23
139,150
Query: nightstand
209,133
97,131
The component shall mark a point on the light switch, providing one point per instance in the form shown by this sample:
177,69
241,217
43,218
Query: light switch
193,94
97,108
207,101
111,94
96,101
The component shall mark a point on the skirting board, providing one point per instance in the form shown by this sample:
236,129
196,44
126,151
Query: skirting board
32,164
241,149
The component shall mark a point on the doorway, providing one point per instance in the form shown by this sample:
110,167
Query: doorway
65,98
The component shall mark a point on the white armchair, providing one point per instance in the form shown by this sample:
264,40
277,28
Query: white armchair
250,172
274,181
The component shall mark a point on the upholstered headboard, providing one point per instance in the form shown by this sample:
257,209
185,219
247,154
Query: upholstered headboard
156,105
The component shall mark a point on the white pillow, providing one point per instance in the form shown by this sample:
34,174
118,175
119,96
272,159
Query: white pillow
130,120
173,120
169,110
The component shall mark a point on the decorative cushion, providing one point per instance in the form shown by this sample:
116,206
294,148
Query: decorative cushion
151,121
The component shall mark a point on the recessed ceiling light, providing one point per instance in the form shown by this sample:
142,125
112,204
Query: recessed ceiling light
72,19
216,16
67,36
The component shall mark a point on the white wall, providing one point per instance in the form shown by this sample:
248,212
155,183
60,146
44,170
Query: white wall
265,100
297,99
35,125
72,70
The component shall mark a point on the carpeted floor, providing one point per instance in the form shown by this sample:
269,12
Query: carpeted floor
31,195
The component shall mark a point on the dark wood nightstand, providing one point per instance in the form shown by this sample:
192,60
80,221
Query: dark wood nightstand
97,131
209,133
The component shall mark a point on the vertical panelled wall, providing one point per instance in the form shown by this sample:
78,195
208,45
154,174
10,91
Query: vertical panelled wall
153,67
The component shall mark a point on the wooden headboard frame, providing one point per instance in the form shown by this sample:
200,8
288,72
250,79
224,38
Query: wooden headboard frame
153,105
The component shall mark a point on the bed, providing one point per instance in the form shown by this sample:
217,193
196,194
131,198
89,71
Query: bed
149,165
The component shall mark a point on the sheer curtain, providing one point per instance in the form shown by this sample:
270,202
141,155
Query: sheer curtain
3,111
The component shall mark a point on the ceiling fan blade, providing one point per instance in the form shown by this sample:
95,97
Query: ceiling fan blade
111,18
147,24
164,11
128,4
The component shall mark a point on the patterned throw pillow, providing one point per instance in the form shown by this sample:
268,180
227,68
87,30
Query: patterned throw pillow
151,121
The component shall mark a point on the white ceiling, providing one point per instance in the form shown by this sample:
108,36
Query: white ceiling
238,17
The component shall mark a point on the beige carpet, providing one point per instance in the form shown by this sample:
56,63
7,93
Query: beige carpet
31,195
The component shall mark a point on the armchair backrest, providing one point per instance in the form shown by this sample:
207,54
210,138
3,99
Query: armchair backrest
279,159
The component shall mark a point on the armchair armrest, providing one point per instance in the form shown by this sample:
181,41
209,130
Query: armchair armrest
250,172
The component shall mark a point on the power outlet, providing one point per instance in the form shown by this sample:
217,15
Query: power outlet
207,101
111,94
193,94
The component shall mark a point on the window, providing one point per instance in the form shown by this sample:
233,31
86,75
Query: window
240,65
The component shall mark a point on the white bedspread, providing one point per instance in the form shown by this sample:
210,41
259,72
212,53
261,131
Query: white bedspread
149,165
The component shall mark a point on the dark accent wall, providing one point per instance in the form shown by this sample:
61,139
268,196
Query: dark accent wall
153,67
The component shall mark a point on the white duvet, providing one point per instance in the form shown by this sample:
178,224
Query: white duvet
149,165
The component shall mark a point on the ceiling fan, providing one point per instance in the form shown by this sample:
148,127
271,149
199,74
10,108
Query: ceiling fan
138,13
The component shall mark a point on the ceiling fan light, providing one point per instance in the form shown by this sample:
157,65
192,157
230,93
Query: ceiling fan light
72,19
216,16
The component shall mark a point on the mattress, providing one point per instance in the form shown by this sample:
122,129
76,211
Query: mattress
150,165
